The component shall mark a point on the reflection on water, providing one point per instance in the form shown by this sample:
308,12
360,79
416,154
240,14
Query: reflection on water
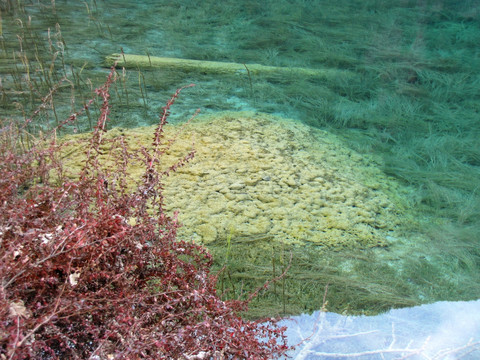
443,330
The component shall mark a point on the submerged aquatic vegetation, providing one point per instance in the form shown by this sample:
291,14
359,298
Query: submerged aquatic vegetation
413,105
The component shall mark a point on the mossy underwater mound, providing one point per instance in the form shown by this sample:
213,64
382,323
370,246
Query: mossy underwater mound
261,188
258,175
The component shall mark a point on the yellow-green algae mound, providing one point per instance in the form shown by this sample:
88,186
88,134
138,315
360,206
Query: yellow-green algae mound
261,176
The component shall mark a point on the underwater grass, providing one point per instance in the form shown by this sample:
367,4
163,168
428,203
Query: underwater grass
356,283
414,104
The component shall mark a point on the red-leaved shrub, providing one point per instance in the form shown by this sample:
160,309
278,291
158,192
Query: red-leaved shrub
91,269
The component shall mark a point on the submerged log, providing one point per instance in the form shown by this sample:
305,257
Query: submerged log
218,67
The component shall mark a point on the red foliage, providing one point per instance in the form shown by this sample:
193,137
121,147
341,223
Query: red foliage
87,272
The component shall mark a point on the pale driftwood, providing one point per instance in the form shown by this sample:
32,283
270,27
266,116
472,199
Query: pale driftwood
218,67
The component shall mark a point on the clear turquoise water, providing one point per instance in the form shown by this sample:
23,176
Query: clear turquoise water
413,99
